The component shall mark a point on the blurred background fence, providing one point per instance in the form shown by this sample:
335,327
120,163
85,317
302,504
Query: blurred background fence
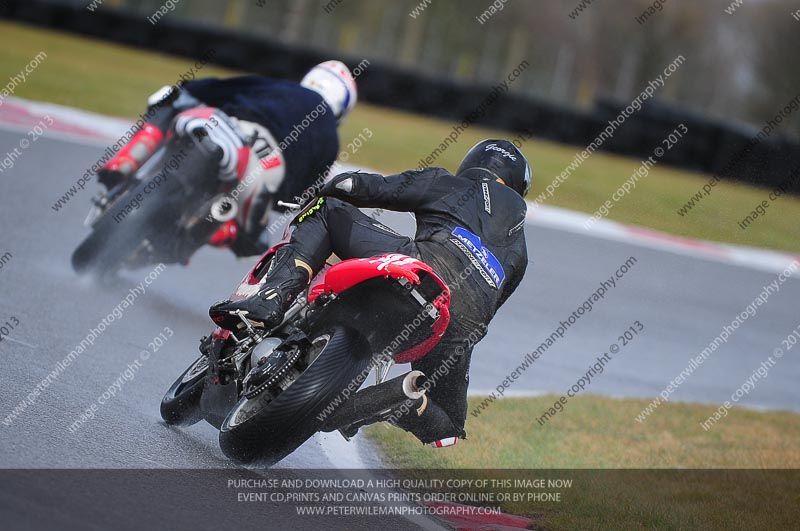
442,61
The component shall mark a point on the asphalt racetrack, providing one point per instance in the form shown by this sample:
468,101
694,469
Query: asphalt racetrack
682,301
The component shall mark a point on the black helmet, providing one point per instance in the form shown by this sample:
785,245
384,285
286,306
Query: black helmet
503,160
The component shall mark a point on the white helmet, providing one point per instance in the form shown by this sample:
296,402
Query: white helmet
334,82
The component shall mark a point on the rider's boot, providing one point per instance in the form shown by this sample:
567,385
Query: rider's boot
162,107
287,276
131,157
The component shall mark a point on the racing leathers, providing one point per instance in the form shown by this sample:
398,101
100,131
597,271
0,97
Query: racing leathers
470,230
277,139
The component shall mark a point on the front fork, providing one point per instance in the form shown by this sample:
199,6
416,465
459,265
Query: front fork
220,390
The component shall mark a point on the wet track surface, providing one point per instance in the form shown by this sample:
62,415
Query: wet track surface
56,311
682,302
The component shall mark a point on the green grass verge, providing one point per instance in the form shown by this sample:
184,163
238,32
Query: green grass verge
595,432
598,432
115,80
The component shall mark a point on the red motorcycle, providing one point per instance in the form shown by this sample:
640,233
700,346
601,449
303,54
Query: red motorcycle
268,391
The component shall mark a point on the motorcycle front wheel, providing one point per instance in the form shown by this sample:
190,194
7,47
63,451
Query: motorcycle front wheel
181,403
121,231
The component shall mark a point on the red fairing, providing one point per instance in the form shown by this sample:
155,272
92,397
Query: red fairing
250,285
226,235
349,273
344,275
439,328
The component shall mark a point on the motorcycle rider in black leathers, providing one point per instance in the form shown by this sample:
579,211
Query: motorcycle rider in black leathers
470,230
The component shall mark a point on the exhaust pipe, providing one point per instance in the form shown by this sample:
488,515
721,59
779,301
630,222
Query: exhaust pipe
377,399
224,208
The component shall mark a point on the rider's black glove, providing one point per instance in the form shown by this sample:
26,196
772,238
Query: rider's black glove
340,186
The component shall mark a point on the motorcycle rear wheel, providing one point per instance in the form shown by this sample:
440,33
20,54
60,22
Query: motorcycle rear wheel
266,433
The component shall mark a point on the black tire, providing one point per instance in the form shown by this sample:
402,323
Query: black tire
110,243
181,403
275,430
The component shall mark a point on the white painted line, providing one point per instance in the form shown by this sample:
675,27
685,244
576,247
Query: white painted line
18,341
96,129
346,455
99,125
751,257
341,453
507,394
